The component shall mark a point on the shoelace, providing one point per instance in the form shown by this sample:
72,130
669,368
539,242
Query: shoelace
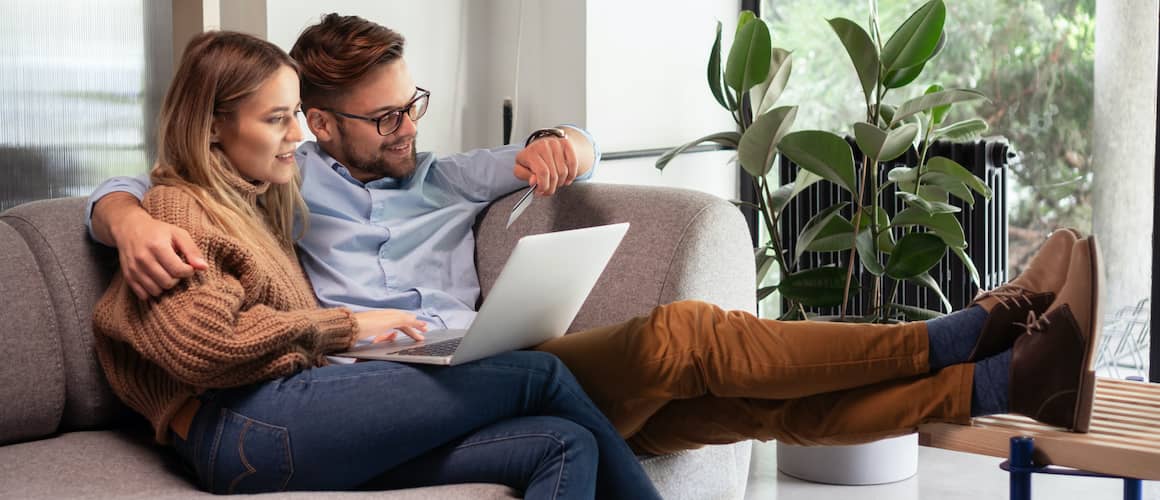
1035,324
1006,292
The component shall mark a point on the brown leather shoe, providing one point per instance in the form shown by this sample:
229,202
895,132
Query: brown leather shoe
1032,291
1052,378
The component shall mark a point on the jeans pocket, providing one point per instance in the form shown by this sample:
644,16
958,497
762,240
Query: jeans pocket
249,456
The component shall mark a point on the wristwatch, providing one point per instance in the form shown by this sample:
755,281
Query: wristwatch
545,132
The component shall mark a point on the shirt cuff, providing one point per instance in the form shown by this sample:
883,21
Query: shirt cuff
136,186
595,151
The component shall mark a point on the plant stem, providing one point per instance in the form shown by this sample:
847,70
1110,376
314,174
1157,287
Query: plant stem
771,225
850,265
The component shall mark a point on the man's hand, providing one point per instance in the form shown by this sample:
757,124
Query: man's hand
550,163
151,252
383,325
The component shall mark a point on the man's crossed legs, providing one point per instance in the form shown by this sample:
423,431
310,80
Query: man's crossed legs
691,373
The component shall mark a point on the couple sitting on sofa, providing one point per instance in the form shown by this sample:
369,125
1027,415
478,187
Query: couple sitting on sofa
219,338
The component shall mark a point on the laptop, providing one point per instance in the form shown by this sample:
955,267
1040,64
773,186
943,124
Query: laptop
536,296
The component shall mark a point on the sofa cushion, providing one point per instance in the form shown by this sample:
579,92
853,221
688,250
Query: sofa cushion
718,472
32,395
117,464
681,244
77,271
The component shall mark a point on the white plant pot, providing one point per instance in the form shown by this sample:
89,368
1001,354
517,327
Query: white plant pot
884,461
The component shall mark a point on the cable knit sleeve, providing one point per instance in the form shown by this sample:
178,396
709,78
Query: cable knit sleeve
228,325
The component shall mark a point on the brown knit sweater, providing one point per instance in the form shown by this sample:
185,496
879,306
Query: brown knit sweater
250,317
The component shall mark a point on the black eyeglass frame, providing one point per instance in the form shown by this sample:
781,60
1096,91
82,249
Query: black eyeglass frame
396,114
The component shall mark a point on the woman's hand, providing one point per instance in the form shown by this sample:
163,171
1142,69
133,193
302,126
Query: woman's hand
383,325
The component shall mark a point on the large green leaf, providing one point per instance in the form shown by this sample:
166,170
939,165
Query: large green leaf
744,18
960,131
970,265
780,66
898,78
730,139
885,238
914,42
950,185
861,51
837,235
748,62
817,287
884,145
886,113
714,70
930,101
781,196
868,254
902,174
914,254
932,207
758,146
764,261
924,279
938,112
814,227
958,172
822,153
945,226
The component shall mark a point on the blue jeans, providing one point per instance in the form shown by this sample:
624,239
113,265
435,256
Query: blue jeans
518,419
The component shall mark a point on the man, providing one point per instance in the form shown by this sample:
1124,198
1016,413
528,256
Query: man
390,228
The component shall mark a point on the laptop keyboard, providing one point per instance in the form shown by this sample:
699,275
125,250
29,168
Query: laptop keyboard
444,348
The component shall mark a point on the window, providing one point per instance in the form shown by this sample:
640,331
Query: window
1084,160
80,89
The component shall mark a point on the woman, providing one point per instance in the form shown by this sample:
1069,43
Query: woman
230,367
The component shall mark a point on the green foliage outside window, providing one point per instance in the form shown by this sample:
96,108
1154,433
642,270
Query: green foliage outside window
1034,59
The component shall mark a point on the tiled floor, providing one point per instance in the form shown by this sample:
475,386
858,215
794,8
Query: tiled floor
942,475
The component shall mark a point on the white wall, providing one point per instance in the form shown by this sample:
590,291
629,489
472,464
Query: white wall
550,60
646,82
646,88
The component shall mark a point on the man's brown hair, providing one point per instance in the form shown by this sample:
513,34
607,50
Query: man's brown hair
338,52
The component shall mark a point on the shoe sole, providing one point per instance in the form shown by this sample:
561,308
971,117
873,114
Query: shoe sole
1087,383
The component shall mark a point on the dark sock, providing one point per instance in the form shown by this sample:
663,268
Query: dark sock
953,336
989,388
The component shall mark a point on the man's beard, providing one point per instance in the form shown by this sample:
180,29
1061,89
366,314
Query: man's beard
378,164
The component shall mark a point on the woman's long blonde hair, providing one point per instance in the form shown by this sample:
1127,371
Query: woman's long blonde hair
218,70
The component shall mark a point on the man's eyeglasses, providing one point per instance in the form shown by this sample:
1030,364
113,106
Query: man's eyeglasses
390,121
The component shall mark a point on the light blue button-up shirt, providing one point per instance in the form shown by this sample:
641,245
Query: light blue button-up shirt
392,243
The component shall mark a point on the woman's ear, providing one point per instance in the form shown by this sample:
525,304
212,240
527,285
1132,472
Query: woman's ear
320,124
214,138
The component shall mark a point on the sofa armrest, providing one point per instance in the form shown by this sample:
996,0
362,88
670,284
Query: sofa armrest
681,245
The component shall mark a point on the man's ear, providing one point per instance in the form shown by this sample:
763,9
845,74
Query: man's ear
320,124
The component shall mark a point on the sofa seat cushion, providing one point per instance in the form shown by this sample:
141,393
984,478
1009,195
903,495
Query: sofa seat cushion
117,464
718,472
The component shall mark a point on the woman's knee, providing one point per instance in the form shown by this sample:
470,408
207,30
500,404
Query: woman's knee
573,438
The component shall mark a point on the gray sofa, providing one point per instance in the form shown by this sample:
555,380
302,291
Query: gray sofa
63,434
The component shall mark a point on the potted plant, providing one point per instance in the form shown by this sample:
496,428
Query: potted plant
890,249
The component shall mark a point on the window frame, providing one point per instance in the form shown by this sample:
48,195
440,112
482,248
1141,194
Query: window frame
1154,358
